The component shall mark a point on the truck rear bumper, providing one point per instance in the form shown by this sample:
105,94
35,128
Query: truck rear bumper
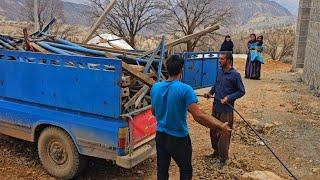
137,156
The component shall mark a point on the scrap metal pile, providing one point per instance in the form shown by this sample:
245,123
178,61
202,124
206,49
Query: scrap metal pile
140,69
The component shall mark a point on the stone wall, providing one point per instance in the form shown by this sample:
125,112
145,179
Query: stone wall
307,53
312,52
302,33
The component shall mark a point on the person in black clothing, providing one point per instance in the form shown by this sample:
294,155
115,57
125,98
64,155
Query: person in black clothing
227,45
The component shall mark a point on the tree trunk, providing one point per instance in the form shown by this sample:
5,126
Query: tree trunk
132,42
190,47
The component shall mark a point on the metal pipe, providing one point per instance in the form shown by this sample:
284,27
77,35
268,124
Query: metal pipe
162,52
13,44
7,45
94,52
134,60
66,42
53,49
78,49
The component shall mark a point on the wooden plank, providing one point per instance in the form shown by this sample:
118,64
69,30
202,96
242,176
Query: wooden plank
144,93
142,77
100,20
135,97
187,38
137,67
38,48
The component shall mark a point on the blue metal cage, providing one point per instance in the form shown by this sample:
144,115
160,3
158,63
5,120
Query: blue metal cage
79,83
200,69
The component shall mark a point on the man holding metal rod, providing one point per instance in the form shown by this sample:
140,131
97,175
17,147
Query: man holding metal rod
228,89
171,99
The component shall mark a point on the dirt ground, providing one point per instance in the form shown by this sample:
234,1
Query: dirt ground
280,106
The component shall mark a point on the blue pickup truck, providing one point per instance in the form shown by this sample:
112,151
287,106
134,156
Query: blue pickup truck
71,107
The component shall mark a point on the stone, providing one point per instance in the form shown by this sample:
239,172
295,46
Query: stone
260,175
315,170
261,143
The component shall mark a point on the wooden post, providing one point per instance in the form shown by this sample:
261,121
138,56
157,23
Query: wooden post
187,38
99,21
36,16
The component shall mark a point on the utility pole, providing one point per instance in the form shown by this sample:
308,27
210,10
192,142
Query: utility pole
99,21
35,14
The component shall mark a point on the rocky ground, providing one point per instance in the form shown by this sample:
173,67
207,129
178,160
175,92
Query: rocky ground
280,107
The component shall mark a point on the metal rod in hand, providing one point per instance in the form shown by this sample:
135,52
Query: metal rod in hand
257,134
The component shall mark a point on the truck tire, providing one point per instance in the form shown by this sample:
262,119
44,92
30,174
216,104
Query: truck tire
58,153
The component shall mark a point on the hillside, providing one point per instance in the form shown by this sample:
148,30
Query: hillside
252,14
247,13
74,13
291,5
245,10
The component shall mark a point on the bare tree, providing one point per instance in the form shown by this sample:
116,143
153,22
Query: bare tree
184,17
280,43
128,18
65,31
47,10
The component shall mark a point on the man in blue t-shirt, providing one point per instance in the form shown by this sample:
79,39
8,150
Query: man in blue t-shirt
170,101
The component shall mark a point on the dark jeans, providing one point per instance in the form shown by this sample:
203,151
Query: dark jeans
221,142
179,149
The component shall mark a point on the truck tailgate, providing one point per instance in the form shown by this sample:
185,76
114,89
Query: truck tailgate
144,126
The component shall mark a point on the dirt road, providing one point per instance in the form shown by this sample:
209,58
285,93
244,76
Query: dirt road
280,106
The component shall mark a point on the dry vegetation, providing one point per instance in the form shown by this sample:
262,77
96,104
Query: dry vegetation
279,103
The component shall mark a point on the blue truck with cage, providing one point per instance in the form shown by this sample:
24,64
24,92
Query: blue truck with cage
71,106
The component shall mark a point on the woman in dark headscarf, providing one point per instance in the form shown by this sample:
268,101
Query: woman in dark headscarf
227,45
253,65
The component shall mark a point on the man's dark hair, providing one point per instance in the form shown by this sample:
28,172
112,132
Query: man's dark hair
228,55
174,65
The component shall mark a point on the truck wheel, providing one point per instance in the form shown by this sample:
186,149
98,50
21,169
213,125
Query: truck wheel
58,153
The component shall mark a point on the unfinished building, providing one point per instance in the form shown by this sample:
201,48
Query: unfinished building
307,46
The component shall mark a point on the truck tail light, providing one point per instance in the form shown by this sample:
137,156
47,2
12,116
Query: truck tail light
123,137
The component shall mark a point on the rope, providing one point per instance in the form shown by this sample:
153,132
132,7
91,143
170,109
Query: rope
257,134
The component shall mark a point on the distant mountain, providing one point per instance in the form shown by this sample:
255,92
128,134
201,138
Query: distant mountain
2,14
77,13
257,15
247,13
246,10
291,5
11,8
74,13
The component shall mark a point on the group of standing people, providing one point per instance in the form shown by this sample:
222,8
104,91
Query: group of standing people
254,58
172,99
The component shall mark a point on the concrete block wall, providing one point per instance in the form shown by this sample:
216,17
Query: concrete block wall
302,33
307,45
312,50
